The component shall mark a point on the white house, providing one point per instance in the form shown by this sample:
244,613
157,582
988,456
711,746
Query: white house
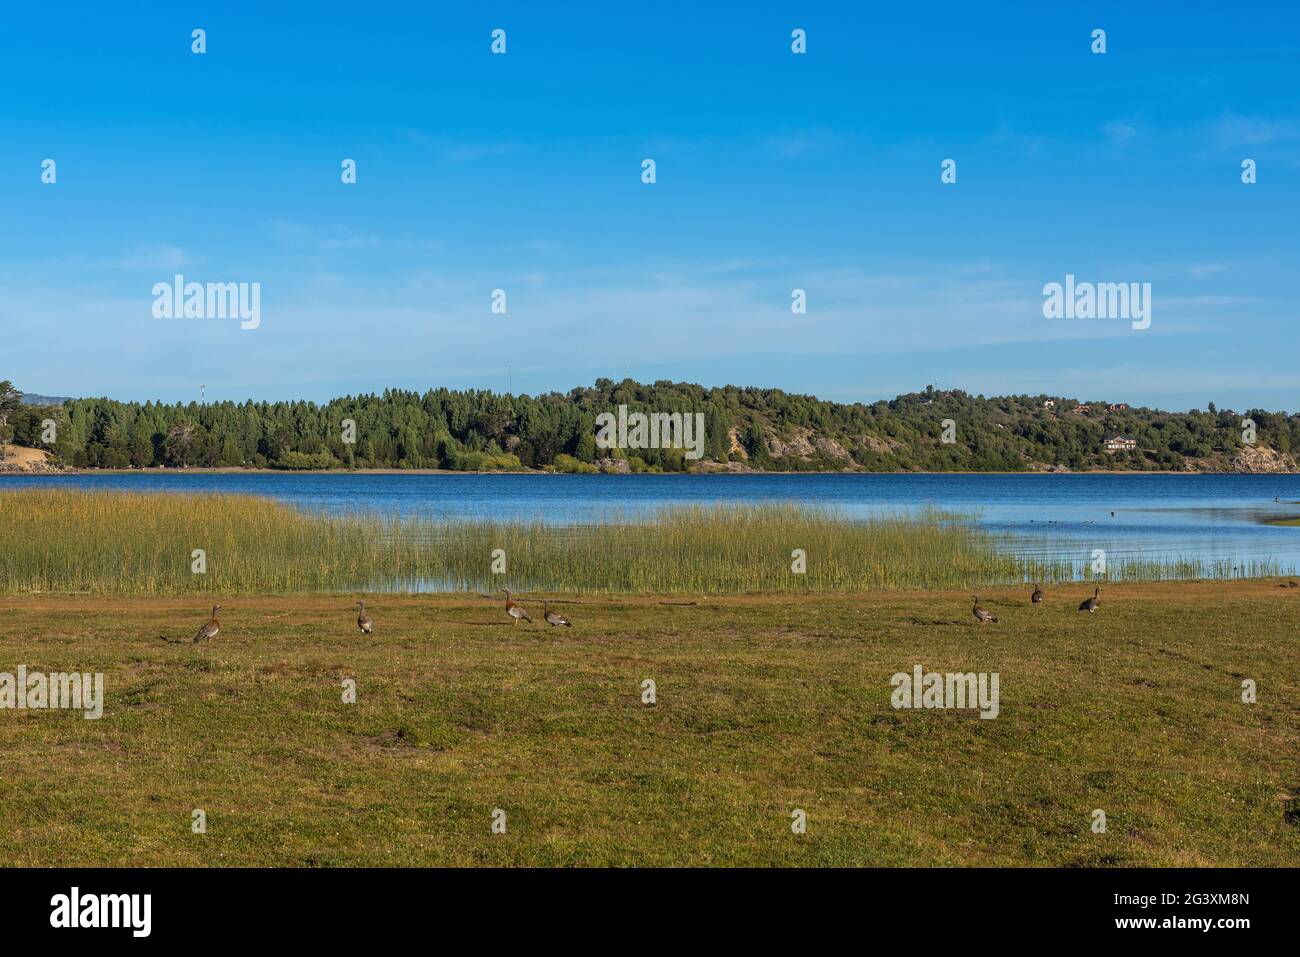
1119,443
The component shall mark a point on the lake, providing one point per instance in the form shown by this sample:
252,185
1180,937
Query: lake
1215,518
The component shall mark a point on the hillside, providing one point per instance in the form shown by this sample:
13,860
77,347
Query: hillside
744,429
17,458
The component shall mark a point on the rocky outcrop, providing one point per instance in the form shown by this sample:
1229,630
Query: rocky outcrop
713,465
831,449
803,443
613,465
797,444
1258,458
16,459
880,445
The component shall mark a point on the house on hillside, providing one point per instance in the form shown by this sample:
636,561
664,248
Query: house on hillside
1117,407
1049,404
1119,443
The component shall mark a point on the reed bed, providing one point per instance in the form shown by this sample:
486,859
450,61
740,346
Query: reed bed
60,540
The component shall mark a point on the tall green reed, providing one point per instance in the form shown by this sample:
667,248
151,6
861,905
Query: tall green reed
117,542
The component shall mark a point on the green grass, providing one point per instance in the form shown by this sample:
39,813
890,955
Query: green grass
765,704
112,543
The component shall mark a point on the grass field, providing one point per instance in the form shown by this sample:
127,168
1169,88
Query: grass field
764,704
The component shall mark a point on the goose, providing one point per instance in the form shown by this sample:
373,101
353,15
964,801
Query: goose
1037,596
1091,604
211,628
364,621
980,614
552,618
515,612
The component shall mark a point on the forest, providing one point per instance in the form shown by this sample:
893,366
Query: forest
745,428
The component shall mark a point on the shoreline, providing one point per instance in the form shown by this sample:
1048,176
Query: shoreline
44,473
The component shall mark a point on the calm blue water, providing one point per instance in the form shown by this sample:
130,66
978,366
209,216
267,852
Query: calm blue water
1212,517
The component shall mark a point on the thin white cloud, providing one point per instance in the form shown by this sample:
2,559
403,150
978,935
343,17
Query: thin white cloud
800,143
1236,130
323,238
1121,133
462,151
710,315
157,256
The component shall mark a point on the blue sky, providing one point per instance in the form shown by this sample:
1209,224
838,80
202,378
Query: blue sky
775,172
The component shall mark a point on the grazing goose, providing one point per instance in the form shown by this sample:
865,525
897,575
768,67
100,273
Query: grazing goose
1091,604
364,621
515,612
1037,596
552,618
980,614
211,628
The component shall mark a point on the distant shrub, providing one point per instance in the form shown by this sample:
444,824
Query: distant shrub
569,464
303,460
484,462
638,465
